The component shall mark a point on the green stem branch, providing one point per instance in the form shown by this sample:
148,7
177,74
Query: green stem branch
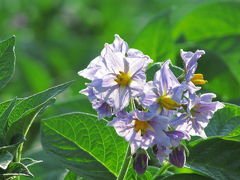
125,164
20,148
162,170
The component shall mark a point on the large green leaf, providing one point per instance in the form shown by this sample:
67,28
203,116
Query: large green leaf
7,60
192,25
225,122
216,158
76,104
156,38
84,145
186,177
27,109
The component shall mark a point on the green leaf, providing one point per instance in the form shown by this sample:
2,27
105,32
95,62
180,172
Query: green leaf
4,118
148,175
7,60
71,105
48,169
15,141
5,159
203,28
220,39
156,39
71,176
29,161
29,108
16,169
216,158
225,122
84,145
187,176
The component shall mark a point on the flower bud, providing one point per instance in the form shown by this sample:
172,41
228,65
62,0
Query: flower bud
140,162
178,157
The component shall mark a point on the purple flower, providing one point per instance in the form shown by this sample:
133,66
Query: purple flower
118,46
118,74
103,108
175,137
199,111
190,65
162,152
177,157
141,129
163,92
121,78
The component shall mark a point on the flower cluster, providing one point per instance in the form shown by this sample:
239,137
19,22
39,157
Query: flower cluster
162,112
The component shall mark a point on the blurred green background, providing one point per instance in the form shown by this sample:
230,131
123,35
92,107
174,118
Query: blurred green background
55,39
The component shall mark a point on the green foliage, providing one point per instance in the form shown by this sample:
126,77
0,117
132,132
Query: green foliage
7,60
187,176
216,158
71,176
195,25
58,38
84,145
16,118
225,122
16,169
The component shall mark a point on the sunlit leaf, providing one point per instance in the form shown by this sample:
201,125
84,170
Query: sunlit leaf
84,145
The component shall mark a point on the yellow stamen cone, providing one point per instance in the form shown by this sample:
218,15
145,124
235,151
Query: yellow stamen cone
168,103
198,79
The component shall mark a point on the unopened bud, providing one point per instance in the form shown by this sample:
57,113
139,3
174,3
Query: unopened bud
178,157
140,162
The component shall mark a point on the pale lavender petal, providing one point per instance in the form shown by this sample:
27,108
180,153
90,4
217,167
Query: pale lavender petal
149,96
190,62
164,79
119,45
114,62
134,53
121,98
135,65
91,70
207,97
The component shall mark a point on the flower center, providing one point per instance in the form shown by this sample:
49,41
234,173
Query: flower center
198,79
123,79
140,126
168,103
194,110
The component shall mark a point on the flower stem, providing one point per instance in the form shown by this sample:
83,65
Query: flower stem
125,164
20,148
162,170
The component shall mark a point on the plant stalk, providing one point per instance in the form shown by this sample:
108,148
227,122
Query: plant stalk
162,170
20,148
125,164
